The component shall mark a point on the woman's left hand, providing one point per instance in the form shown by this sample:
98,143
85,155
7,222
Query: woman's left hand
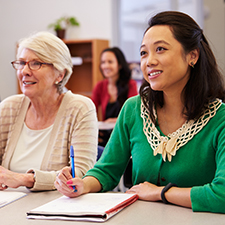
146,191
14,180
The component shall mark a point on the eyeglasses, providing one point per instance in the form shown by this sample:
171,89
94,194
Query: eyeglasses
33,65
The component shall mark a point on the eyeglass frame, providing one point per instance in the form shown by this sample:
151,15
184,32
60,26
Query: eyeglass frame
28,63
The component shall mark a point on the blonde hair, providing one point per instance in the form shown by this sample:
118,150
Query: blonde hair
50,49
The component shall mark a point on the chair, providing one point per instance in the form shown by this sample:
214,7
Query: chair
127,176
126,180
100,150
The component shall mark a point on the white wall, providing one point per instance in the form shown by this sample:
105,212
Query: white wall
214,29
98,19
135,15
22,17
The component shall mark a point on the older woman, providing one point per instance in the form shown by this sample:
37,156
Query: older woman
38,127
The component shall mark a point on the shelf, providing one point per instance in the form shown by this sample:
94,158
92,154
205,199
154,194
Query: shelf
86,75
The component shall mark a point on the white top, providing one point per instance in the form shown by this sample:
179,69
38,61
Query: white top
75,124
30,149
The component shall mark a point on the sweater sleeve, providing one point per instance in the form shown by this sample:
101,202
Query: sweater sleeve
211,197
84,139
132,88
100,97
44,180
96,94
75,125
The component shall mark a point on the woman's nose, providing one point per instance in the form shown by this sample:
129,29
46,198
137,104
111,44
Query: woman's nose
152,60
26,70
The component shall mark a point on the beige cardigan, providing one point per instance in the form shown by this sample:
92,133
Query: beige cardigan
75,124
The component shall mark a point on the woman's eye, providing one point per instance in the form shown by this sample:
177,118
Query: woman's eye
142,53
21,63
159,49
36,63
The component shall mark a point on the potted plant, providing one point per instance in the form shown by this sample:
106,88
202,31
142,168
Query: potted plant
62,24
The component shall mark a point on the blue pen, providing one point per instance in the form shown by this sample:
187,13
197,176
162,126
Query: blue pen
72,165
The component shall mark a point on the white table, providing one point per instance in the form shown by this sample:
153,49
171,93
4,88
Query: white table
105,126
138,213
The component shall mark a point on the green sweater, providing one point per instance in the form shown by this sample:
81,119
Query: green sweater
199,164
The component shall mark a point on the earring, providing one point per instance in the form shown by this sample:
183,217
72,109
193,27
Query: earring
192,65
56,82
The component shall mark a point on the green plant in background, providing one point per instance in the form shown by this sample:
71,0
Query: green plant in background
63,23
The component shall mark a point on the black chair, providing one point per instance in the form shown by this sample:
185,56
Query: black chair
127,176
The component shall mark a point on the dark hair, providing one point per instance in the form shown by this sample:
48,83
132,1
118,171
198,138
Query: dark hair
124,74
205,83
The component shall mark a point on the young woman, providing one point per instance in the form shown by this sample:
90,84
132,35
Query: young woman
175,129
111,93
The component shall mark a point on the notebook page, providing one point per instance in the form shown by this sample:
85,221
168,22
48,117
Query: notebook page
7,197
92,203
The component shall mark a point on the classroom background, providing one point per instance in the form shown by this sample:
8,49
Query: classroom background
121,22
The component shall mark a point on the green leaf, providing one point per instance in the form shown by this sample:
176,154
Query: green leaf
62,22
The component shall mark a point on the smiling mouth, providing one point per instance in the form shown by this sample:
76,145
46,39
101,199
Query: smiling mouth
154,73
27,83
107,70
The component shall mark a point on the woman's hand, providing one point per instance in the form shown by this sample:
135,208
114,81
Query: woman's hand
14,180
150,192
146,191
64,183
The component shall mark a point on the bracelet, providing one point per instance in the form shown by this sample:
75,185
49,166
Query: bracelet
164,190
34,176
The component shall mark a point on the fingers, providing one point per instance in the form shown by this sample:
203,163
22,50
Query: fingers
64,175
131,190
64,183
3,178
135,189
10,179
67,189
62,178
66,172
64,189
3,186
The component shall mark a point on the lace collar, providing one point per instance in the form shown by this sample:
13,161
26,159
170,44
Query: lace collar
168,145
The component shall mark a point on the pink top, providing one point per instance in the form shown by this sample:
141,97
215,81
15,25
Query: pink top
100,95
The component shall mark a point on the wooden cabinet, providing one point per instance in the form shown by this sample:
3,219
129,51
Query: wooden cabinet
86,75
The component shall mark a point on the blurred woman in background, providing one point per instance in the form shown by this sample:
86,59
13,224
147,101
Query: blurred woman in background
111,93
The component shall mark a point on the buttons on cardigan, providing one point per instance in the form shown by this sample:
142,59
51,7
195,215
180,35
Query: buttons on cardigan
163,179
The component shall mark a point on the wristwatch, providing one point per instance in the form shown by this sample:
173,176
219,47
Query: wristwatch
34,176
164,190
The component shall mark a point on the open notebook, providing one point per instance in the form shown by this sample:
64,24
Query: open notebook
97,207
7,197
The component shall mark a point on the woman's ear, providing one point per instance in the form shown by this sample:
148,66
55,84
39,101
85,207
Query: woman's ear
193,57
61,75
